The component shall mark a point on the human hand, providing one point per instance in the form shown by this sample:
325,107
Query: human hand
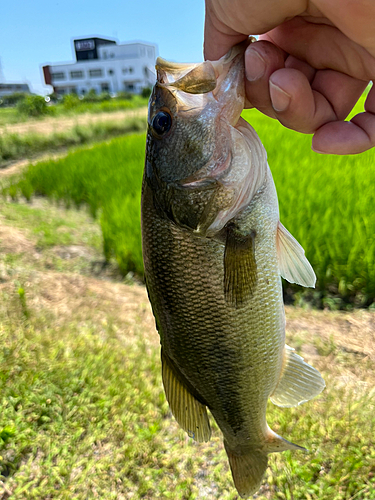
308,68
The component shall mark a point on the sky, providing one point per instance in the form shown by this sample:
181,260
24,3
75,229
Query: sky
34,33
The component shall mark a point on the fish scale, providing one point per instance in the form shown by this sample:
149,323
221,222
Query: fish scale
194,316
214,250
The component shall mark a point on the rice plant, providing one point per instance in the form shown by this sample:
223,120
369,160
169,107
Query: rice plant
326,202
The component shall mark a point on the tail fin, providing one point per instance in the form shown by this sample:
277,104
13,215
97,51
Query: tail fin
247,470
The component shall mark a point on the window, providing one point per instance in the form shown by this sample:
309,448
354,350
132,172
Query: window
129,87
105,87
124,70
75,75
59,75
95,73
131,70
150,53
110,72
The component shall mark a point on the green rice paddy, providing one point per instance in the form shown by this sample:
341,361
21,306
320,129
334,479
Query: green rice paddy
326,202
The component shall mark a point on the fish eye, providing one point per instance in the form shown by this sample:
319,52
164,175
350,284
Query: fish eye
161,123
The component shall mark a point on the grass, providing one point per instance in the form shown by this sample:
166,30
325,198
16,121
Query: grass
11,115
82,410
99,107
14,146
49,227
86,177
326,202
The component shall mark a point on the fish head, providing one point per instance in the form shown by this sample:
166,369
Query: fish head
189,142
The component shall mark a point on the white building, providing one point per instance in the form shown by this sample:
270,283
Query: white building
106,66
11,88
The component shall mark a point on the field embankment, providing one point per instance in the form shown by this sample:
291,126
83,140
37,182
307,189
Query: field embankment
53,124
326,202
25,140
82,410
33,108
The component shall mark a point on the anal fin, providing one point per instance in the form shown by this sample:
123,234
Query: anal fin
240,269
299,382
293,264
187,410
276,443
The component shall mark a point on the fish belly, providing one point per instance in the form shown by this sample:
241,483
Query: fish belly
230,357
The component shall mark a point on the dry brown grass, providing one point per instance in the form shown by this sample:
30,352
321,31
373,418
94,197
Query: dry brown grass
51,125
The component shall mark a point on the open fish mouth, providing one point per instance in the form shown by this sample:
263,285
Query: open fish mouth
197,78
196,85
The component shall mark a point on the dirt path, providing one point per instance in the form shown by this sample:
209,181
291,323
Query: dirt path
58,124
16,166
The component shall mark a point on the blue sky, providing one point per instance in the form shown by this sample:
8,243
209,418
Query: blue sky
36,32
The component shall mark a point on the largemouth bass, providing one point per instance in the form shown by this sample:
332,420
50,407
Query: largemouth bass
214,250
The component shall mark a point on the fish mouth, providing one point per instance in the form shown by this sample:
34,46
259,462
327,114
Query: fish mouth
194,86
196,78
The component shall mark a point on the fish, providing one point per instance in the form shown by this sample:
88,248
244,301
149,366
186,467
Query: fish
214,251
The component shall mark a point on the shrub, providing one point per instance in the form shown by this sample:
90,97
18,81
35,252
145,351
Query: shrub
146,92
126,96
91,96
70,101
12,99
33,105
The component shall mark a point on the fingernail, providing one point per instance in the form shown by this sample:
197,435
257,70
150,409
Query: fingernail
254,64
279,98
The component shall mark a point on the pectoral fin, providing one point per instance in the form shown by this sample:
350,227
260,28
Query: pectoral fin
187,410
293,265
299,382
240,269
